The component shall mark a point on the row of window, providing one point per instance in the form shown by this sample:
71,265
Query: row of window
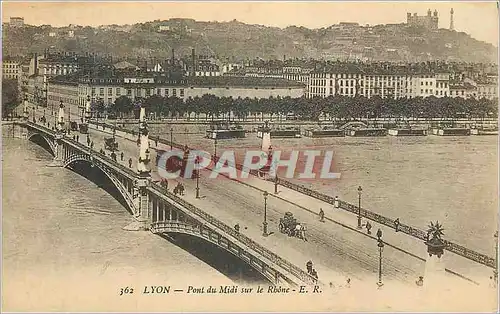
11,66
11,71
65,100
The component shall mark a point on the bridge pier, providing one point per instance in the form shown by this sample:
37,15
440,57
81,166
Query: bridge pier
19,131
59,151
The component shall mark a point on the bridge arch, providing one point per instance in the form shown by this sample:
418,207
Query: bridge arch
51,147
353,125
131,207
196,229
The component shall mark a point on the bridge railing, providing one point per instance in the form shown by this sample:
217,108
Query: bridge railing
391,223
87,150
296,271
388,222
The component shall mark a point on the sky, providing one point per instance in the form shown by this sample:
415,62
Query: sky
479,19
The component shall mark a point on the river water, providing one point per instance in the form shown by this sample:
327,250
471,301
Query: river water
62,235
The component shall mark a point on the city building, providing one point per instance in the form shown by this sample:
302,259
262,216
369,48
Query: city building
16,22
60,89
73,89
383,80
164,28
11,68
463,90
429,21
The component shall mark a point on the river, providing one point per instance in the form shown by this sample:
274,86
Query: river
63,238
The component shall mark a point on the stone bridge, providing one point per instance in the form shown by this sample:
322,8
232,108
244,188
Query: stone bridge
160,211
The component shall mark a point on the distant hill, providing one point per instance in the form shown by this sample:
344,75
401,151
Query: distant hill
392,42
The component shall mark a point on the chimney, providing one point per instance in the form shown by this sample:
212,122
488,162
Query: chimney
193,60
36,64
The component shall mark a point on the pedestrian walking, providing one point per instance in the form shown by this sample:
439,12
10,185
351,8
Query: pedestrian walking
321,215
368,227
420,281
121,156
130,162
237,227
314,273
396,224
156,141
78,138
336,202
309,266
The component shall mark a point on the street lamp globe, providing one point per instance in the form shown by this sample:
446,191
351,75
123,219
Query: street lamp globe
360,190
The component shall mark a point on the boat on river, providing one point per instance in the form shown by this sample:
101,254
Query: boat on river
225,130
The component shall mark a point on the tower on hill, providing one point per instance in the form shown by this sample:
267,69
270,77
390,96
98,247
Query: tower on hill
429,21
451,20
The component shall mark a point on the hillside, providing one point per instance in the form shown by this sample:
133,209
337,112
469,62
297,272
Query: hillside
393,42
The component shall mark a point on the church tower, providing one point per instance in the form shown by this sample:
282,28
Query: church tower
451,20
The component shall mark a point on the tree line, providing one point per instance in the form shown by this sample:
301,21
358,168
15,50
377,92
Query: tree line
213,107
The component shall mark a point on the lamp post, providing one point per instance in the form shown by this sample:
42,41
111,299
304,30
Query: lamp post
360,190
197,162
264,224
34,116
171,138
276,184
495,271
380,245
215,148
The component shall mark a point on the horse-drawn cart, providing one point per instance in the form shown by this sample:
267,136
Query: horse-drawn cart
290,226
111,144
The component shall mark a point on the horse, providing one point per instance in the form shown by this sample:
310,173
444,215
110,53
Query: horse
300,232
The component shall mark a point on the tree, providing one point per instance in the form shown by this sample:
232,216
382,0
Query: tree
98,107
10,97
122,105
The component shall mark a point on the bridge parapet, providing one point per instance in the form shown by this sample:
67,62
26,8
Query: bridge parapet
262,265
273,257
391,223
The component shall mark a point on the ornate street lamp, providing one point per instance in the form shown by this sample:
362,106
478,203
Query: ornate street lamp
380,245
360,190
276,184
197,163
171,138
215,149
264,224
495,271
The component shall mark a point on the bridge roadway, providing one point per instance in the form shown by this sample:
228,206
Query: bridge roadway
338,250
